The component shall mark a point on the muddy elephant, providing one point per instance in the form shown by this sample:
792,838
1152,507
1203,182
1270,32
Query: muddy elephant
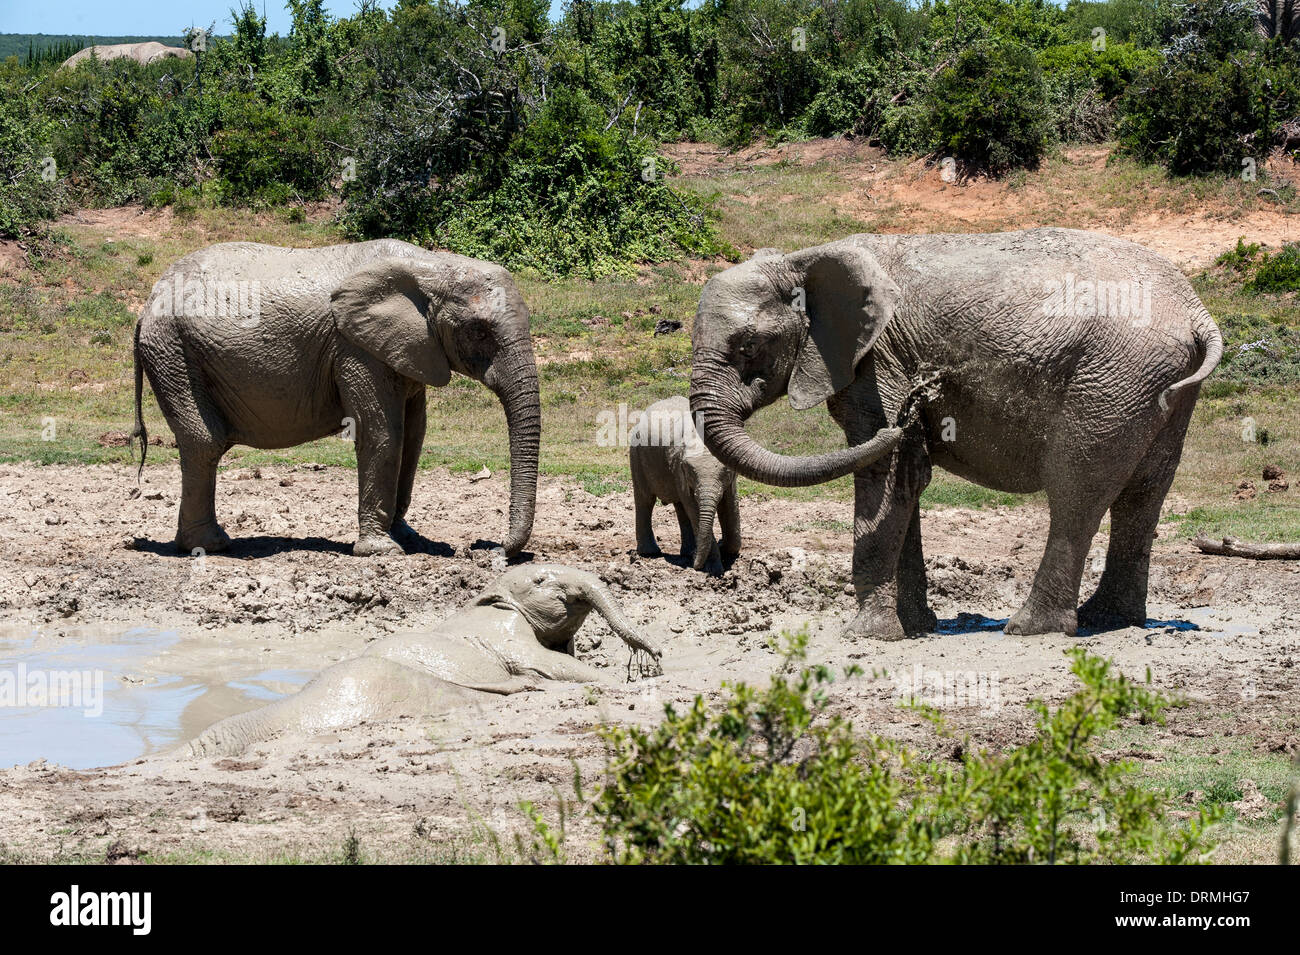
269,347
670,463
516,633
1050,359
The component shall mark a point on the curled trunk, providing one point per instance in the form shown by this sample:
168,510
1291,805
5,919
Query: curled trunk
716,403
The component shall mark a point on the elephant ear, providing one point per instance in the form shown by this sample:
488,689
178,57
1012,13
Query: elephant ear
848,300
385,308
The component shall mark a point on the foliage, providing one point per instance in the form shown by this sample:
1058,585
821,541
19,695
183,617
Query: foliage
989,109
1278,272
1197,116
27,195
265,155
774,776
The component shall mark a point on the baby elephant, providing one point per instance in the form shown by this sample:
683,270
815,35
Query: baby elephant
671,464
518,631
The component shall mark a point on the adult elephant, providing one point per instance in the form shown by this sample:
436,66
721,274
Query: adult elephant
270,347
1050,359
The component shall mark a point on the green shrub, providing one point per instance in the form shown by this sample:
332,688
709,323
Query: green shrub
563,192
27,195
773,777
1197,119
267,156
1279,272
989,110
1112,70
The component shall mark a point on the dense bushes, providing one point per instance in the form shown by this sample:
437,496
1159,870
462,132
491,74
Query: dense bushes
432,117
989,109
28,192
772,777
265,155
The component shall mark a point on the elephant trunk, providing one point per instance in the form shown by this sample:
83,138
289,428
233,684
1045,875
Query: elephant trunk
516,386
708,496
602,601
715,399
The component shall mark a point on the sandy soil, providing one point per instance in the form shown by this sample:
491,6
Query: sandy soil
83,559
1191,239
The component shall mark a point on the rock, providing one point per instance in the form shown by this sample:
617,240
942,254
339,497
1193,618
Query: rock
666,326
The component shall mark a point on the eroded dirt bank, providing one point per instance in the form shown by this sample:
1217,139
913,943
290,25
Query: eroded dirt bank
82,559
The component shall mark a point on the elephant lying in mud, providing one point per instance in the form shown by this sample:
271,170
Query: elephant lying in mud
1050,359
518,631
671,464
269,347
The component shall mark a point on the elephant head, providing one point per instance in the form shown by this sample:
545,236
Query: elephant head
796,324
555,600
426,319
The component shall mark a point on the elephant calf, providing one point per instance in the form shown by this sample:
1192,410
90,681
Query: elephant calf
519,630
671,464
269,347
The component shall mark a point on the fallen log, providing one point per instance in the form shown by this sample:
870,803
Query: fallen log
1232,547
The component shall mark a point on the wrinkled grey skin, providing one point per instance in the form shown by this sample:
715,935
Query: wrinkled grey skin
142,53
671,464
519,631
951,333
349,331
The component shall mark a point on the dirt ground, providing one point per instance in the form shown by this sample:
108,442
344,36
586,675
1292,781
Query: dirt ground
1192,238
84,559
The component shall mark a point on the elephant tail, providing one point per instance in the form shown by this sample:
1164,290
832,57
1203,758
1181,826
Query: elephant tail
139,430
1210,341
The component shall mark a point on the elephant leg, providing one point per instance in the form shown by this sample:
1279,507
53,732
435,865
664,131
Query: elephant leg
914,611
883,507
729,516
643,504
1121,595
686,524
374,399
1075,517
196,526
412,445
202,437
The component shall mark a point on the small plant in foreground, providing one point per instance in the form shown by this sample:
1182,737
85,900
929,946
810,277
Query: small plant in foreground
775,777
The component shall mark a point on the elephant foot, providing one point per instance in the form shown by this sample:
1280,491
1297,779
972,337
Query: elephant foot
1105,614
712,567
875,624
918,621
377,544
648,551
1029,620
209,538
403,531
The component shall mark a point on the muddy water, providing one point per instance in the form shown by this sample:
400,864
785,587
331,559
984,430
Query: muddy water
83,699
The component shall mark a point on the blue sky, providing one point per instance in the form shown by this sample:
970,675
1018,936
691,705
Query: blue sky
145,17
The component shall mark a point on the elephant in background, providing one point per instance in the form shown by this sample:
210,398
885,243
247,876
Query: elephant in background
270,347
516,632
1049,359
670,463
